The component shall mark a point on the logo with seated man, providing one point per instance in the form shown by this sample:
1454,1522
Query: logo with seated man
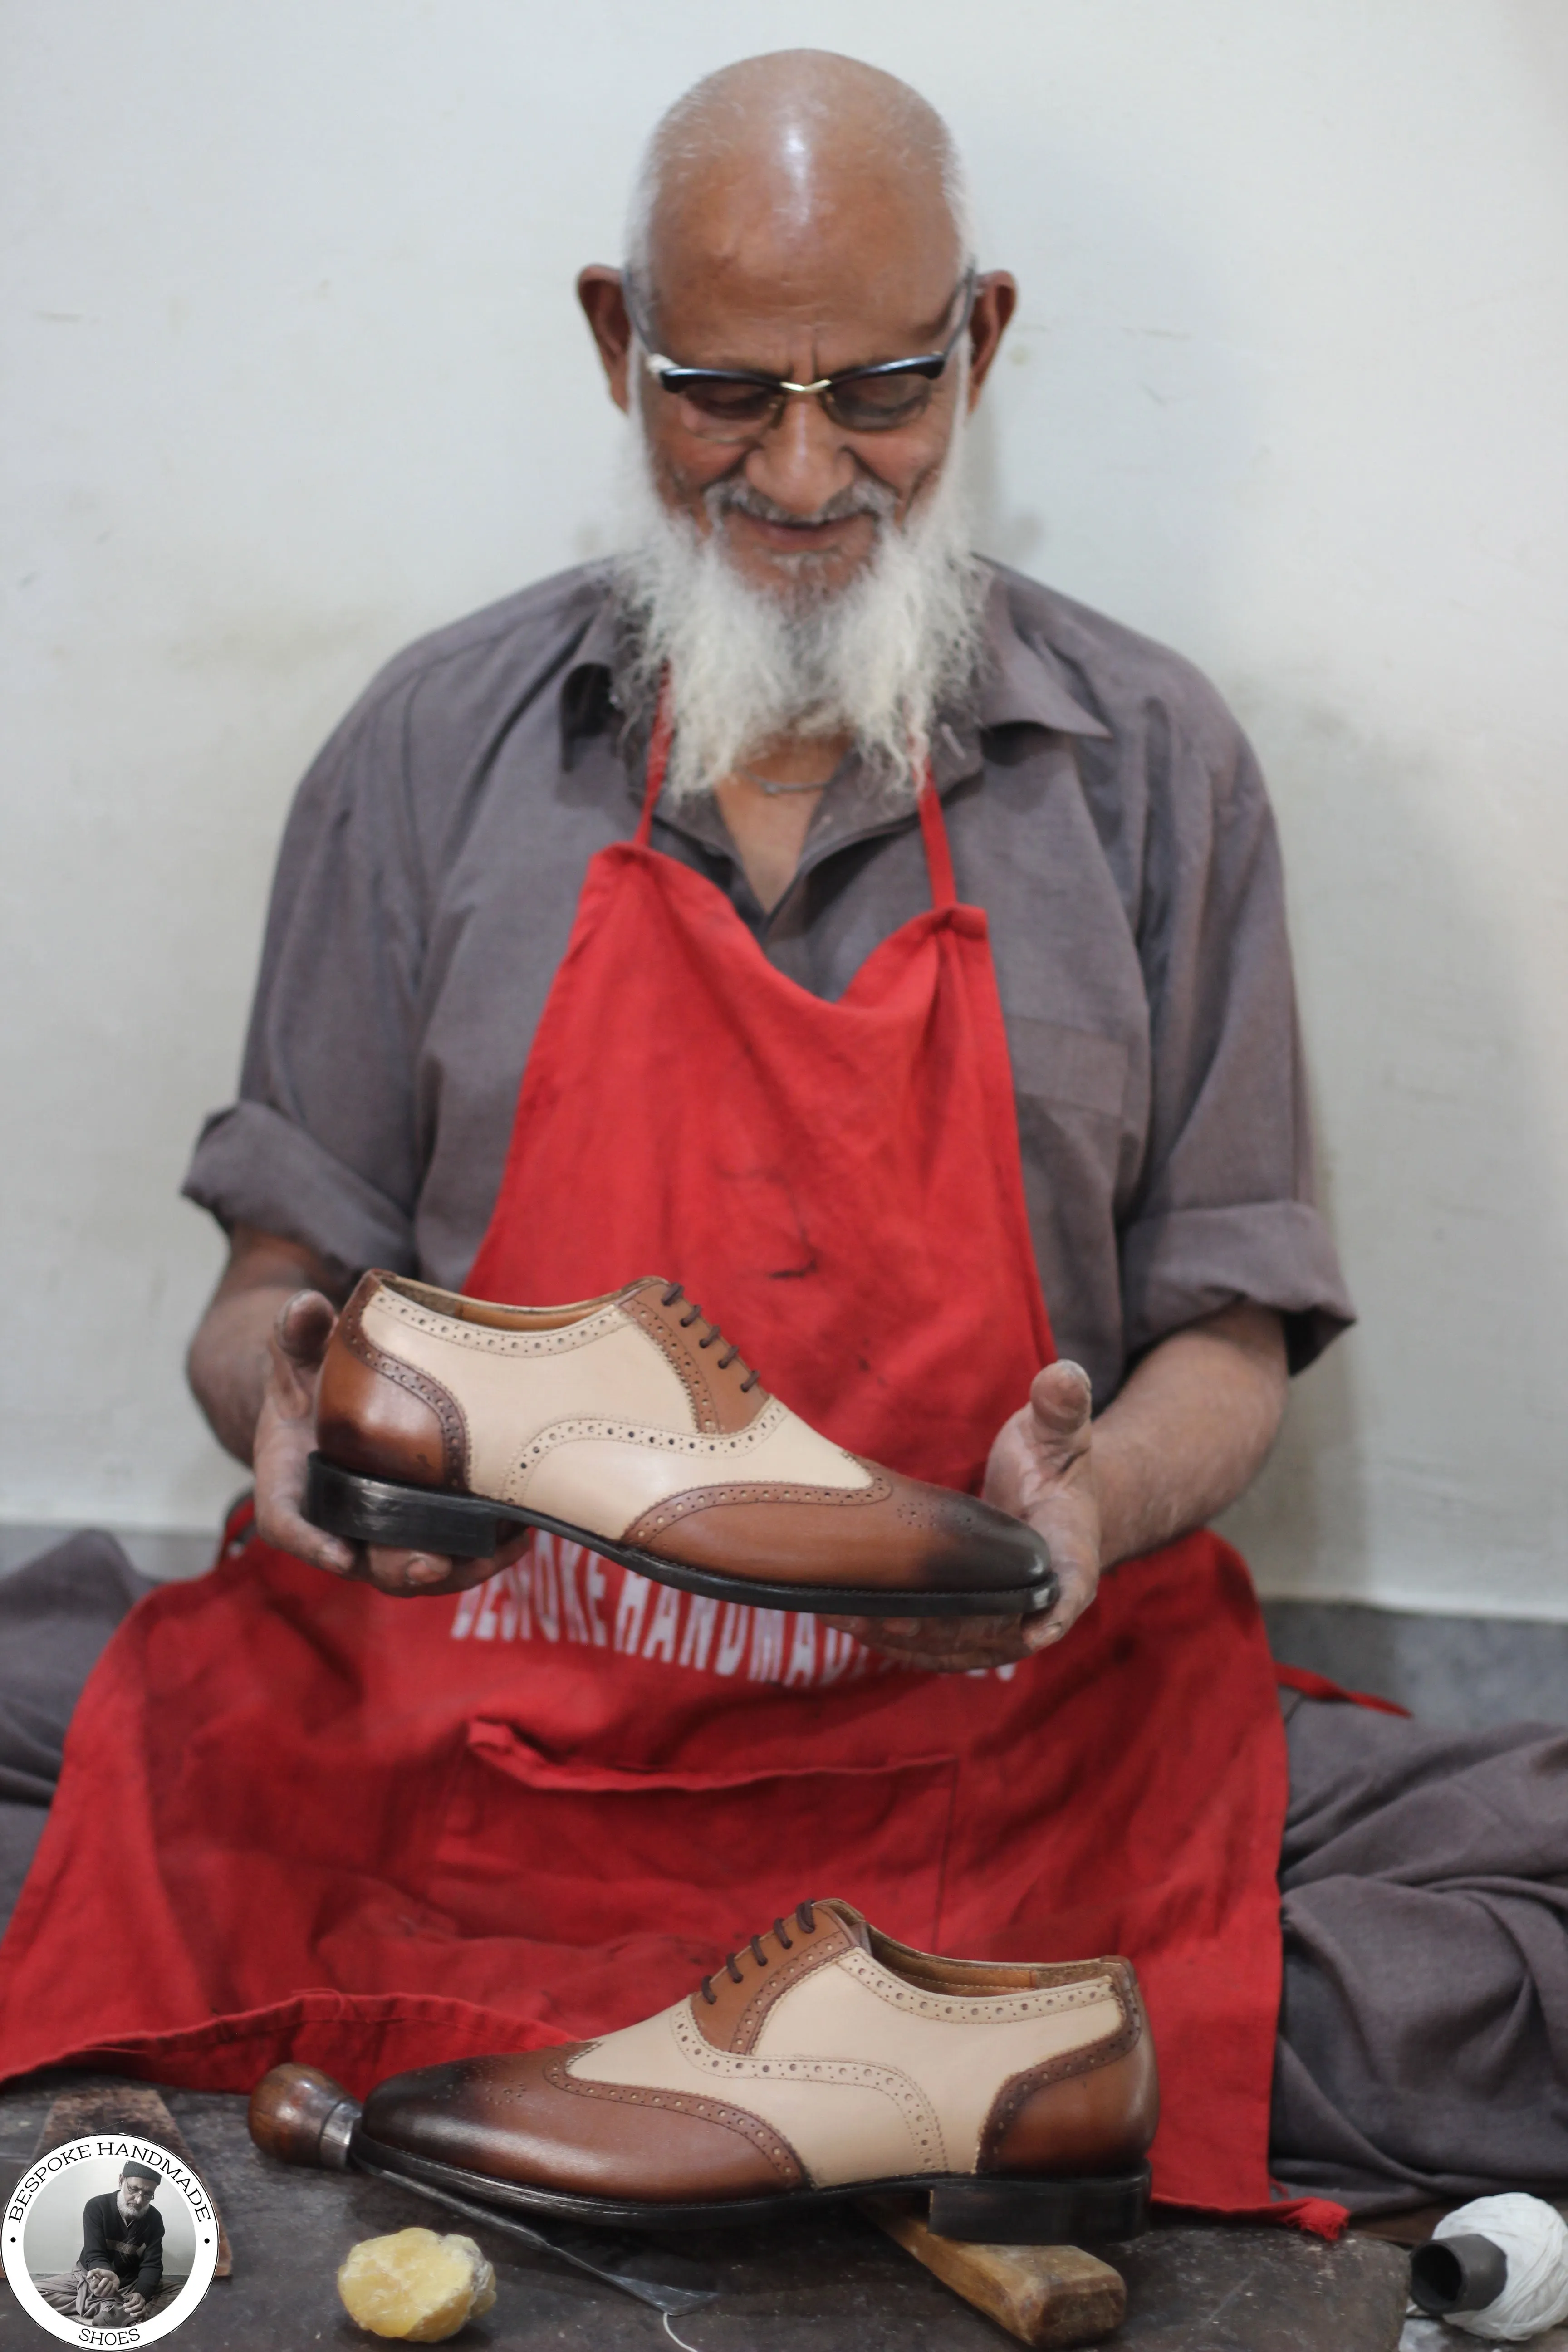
108,2240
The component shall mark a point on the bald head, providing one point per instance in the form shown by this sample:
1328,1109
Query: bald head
799,218
781,150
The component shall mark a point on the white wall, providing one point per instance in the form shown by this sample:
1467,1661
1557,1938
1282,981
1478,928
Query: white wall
295,372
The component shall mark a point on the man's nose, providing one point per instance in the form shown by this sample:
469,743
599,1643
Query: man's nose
803,461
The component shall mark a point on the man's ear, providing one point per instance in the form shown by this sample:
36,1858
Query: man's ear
605,308
996,300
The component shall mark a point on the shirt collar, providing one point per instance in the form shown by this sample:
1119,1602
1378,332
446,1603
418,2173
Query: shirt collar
1023,682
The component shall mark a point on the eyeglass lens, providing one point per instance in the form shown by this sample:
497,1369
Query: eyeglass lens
868,404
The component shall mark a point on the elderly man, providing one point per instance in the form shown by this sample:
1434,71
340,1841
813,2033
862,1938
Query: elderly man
118,2274
935,1026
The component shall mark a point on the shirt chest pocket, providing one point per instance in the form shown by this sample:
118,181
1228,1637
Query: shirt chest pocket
1077,1070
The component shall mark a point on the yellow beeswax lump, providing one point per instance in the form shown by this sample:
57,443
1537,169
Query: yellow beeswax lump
416,2286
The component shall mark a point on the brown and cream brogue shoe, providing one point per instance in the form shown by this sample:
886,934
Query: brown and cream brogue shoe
822,2062
627,1424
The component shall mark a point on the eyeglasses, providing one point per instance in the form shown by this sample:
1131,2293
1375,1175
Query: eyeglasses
740,403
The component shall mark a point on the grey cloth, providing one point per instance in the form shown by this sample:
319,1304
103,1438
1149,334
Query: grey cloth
1422,2048
1103,807
56,1614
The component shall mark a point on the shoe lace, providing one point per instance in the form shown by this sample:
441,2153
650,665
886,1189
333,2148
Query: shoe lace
712,1334
805,1918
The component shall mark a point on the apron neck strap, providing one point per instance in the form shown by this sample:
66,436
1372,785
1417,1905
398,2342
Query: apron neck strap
939,857
658,745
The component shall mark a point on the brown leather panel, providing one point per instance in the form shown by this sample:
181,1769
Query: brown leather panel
1100,2121
384,1418
897,1535
1089,2110
770,2144
751,1491
733,2017
968,1977
719,1401
526,2119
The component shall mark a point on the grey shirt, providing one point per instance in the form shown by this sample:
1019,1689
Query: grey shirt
1103,805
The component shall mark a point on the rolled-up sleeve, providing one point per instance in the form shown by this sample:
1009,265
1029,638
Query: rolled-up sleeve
322,1147
1223,1208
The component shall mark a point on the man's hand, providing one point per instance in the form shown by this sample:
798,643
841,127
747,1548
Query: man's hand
285,1438
101,2281
1189,1431
255,1366
1042,1470
132,2302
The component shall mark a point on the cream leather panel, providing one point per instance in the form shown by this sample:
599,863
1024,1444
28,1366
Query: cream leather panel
865,2076
509,1384
601,1474
846,2121
958,2062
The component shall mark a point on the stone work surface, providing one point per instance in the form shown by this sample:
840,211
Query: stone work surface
834,2286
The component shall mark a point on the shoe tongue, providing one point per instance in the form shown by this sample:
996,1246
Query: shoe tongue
852,1921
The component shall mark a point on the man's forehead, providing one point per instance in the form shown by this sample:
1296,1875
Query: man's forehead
882,271
805,190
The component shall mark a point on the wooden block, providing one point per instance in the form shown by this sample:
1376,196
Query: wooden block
132,2110
1051,2296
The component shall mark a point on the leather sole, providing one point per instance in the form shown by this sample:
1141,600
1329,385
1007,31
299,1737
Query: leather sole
990,2210
468,1526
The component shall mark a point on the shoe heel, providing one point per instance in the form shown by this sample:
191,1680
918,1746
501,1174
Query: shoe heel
1002,2212
405,1518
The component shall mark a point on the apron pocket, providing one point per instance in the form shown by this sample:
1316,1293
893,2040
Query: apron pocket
593,1855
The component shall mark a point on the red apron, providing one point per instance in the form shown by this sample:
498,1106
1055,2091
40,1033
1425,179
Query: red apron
299,1818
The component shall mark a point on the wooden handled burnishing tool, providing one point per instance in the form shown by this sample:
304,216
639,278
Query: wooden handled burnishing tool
299,2116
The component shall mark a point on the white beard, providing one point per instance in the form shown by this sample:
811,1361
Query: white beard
873,660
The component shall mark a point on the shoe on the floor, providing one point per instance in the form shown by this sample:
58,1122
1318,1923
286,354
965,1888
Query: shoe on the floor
629,1425
822,2061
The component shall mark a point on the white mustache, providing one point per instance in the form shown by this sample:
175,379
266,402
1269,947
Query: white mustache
734,495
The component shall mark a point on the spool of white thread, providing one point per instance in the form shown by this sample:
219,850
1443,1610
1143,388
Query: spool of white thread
1533,2240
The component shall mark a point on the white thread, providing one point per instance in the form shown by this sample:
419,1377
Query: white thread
1535,2239
673,2338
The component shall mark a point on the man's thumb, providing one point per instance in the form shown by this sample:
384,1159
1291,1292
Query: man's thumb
303,1328
1061,1399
